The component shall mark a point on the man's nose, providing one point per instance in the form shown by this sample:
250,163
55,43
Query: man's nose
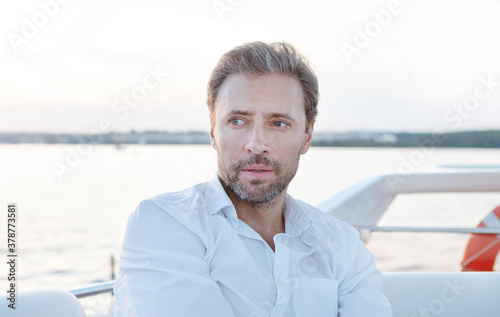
259,141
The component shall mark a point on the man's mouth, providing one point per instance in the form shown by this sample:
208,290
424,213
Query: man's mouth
258,168
257,171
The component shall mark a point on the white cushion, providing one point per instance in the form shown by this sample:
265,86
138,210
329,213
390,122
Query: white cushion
443,294
43,303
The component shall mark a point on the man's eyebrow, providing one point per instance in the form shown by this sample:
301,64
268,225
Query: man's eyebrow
240,112
281,115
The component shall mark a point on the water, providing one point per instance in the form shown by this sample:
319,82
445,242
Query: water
69,227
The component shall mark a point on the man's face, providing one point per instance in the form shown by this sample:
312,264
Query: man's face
259,134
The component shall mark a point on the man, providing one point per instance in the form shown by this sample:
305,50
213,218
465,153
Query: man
240,245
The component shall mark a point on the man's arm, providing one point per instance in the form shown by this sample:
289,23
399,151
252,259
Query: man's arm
162,271
360,292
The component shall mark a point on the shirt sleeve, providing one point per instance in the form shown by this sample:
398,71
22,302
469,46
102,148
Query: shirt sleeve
162,270
360,292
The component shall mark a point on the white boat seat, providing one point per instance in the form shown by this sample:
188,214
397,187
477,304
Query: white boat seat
443,294
43,303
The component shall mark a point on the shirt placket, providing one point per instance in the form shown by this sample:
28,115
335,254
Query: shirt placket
245,231
281,276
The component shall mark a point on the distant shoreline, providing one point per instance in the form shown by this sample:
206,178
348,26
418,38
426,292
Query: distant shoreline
467,139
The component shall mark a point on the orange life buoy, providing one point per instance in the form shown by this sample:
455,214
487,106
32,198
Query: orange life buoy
482,249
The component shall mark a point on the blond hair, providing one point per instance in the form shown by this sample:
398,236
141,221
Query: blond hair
259,58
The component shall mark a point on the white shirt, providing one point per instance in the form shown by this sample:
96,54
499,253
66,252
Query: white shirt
188,254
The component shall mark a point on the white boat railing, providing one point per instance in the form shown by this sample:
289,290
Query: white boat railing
93,290
365,202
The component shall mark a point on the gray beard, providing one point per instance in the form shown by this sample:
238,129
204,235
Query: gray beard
253,194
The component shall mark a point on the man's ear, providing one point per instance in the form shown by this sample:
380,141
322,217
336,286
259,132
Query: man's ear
307,139
212,138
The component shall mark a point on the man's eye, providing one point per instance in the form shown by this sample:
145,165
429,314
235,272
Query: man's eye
280,124
237,122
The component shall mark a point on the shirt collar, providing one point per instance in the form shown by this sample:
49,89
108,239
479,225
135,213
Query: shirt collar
297,220
218,201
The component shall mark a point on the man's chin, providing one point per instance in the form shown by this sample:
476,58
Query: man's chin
256,193
257,185
257,198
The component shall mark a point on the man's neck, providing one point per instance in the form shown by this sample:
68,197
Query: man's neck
266,219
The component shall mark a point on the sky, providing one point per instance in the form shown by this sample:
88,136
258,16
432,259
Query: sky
83,66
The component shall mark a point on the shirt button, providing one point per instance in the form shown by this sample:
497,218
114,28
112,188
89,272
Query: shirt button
280,282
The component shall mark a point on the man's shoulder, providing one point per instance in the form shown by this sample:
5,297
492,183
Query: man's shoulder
178,204
181,197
